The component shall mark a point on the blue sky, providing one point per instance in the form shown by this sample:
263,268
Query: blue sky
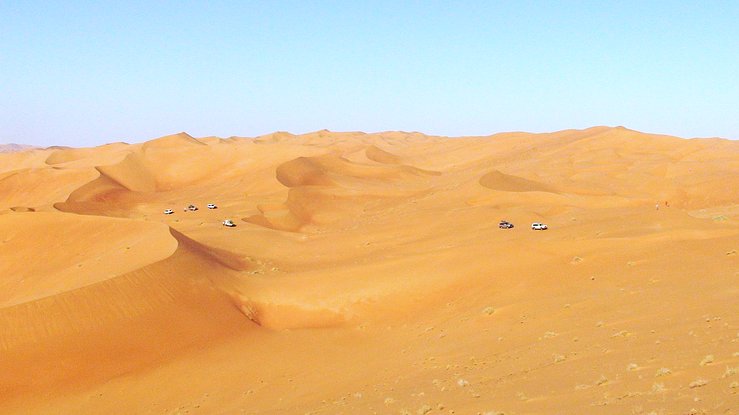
81,74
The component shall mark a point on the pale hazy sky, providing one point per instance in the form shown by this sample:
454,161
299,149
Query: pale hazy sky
81,74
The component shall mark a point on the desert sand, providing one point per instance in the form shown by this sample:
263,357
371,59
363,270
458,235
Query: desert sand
367,275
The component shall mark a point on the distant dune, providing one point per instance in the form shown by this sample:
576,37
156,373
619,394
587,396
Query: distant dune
12,148
367,273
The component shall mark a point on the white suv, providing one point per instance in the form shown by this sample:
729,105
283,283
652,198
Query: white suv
538,226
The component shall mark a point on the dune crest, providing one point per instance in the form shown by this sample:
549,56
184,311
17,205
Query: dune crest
14,148
173,140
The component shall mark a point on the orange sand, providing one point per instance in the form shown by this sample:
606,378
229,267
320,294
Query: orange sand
367,274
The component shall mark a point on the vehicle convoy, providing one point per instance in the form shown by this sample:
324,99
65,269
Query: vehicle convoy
212,206
168,211
538,226
229,223
504,224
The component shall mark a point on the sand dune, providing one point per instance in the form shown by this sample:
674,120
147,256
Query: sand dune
379,155
367,274
88,157
40,187
49,253
497,180
13,148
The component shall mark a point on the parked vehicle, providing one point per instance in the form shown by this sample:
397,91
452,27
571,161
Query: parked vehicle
191,208
168,211
229,223
504,224
212,206
538,226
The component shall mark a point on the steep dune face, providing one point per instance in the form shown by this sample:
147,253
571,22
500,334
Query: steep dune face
168,163
132,173
379,155
303,172
496,180
327,188
367,274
